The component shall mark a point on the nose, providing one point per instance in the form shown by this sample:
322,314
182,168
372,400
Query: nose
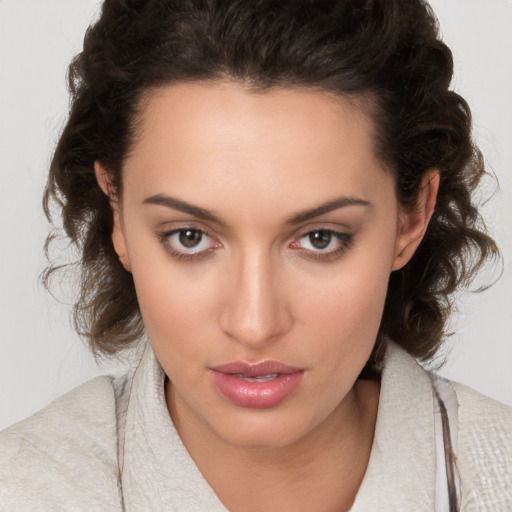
256,312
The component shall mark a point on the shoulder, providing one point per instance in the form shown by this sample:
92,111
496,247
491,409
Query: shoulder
484,450
477,411
483,427
64,456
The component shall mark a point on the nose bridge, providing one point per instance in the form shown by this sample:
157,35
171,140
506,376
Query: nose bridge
255,313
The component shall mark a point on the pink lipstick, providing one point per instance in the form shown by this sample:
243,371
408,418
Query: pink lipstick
259,386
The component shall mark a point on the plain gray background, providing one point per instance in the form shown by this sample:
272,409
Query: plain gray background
41,357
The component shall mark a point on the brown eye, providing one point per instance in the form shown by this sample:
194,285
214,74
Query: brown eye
188,243
190,238
323,244
320,239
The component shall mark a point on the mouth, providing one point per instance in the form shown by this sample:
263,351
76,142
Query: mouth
259,378
260,385
268,367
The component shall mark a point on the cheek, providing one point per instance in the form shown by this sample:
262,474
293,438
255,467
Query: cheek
345,318
179,304
172,300
351,297
174,320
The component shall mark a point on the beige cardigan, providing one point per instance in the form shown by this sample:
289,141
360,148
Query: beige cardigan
66,457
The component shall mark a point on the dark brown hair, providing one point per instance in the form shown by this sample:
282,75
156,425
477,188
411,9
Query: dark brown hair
387,52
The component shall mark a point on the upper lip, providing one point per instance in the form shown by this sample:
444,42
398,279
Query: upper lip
266,367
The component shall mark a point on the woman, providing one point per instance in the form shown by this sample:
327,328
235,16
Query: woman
279,195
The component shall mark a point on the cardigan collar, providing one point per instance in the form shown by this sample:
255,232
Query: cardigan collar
159,474
401,471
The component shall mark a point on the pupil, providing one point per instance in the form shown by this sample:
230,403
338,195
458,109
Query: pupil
190,238
320,239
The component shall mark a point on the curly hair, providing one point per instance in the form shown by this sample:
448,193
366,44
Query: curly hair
387,53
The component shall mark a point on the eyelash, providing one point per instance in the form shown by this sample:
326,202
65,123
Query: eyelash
345,240
183,255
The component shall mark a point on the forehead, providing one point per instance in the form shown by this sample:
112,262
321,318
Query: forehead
221,139
225,107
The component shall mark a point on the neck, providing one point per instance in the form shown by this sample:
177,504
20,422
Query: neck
322,471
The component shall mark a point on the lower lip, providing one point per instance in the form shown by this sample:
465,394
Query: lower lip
256,395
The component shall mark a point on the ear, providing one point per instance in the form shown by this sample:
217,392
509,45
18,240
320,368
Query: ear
118,238
413,222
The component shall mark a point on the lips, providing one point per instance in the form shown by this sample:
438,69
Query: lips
260,385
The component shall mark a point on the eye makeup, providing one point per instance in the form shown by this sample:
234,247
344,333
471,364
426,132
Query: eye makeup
196,244
191,243
324,244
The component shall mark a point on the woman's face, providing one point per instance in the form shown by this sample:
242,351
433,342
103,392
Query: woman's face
260,230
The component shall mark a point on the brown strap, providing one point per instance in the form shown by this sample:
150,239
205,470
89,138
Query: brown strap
449,456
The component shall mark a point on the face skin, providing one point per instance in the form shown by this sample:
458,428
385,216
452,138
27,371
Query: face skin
256,287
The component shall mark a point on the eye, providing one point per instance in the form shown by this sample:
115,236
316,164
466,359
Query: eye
323,243
188,238
188,242
320,240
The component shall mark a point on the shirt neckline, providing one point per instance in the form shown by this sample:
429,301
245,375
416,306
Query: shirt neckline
159,473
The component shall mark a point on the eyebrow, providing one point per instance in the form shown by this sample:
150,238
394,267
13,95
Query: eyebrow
202,213
329,206
182,206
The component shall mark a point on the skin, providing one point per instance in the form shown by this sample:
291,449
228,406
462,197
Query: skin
256,288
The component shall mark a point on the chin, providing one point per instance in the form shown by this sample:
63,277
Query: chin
261,430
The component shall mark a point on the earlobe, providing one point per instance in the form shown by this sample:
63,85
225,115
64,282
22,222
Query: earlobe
413,222
118,238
